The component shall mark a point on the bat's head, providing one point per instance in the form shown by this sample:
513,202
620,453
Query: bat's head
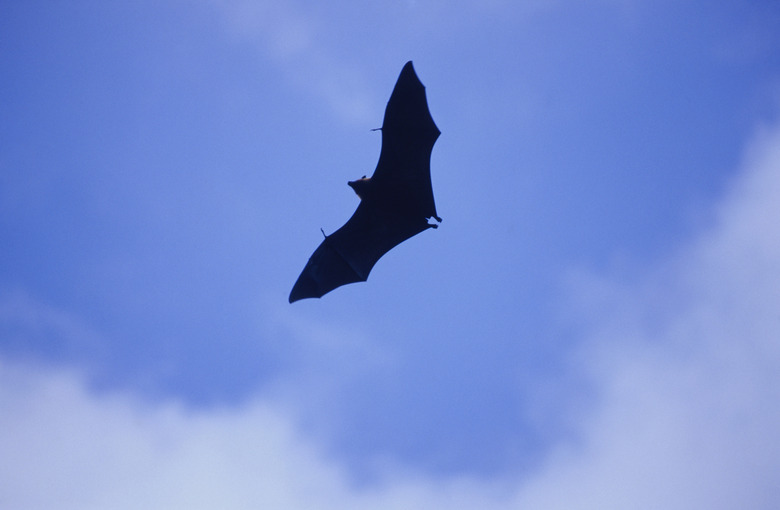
360,186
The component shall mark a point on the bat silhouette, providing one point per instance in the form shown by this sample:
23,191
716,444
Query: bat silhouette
395,203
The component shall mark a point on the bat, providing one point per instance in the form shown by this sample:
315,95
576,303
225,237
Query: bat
396,202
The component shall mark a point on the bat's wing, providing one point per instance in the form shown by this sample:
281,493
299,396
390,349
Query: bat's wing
396,203
408,135
349,254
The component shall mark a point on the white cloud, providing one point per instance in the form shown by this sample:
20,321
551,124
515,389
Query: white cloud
686,364
65,447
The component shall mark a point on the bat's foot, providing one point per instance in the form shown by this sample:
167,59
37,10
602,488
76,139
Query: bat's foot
437,219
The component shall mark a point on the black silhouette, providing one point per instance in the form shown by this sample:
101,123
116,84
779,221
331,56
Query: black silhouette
395,203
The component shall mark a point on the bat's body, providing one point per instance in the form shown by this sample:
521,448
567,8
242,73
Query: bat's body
395,203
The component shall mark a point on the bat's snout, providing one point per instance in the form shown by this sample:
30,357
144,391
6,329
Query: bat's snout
360,186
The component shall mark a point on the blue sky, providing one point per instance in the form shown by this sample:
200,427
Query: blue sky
594,324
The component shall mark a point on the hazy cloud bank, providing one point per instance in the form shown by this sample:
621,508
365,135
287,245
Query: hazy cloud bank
685,361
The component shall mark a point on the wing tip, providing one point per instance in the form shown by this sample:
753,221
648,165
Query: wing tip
326,270
408,70
305,287
297,296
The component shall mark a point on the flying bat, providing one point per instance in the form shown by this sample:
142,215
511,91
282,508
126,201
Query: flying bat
395,203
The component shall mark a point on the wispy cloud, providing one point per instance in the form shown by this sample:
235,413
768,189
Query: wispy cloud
684,361
292,39
27,324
